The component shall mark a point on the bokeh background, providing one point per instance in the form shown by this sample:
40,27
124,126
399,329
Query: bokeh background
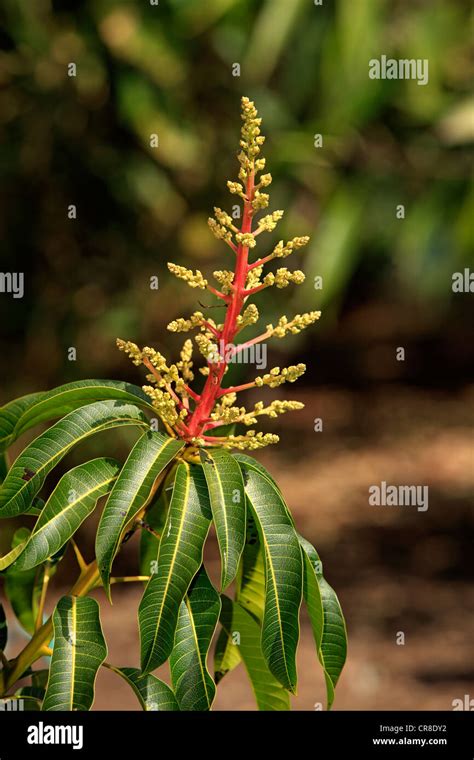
387,282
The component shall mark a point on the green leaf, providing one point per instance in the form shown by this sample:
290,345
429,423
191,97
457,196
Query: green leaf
79,650
283,576
30,469
226,656
327,620
228,505
3,628
153,694
18,416
243,629
149,457
155,519
73,499
179,559
249,593
252,464
197,620
21,587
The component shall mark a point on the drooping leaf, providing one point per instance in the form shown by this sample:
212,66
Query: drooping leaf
153,694
22,414
21,587
246,633
283,576
155,520
197,620
73,499
327,620
249,593
252,464
3,628
149,457
79,650
30,469
228,505
179,559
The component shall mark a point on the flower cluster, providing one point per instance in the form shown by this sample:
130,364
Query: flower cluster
193,415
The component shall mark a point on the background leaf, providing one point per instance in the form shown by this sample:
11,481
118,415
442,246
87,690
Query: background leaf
3,628
240,626
79,650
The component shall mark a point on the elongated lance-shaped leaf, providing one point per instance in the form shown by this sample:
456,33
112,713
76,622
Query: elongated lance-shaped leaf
283,576
9,558
245,633
79,651
197,620
147,460
73,499
179,559
3,628
252,464
18,416
226,656
228,505
249,593
327,620
155,520
153,694
21,586
30,469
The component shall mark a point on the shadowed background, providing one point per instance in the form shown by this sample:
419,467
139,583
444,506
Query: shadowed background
387,282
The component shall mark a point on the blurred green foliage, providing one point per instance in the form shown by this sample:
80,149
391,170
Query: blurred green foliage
166,69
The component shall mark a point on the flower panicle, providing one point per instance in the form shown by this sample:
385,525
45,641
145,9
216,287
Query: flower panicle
185,412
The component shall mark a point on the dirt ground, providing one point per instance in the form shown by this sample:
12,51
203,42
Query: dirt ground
396,570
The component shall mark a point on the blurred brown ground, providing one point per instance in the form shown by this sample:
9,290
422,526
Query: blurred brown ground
394,569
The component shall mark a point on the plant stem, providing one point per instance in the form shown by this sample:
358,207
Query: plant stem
44,590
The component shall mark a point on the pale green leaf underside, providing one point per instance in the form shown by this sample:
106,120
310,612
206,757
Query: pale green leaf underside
79,651
30,469
18,416
148,458
197,620
283,576
226,492
179,558
73,499
327,620
243,629
154,695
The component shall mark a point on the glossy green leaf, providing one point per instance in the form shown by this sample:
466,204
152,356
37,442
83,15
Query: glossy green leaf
242,629
79,650
252,464
149,457
3,628
153,694
21,587
155,520
73,499
228,505
18,416
30,469
283,576
327,620
179,559
197,620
